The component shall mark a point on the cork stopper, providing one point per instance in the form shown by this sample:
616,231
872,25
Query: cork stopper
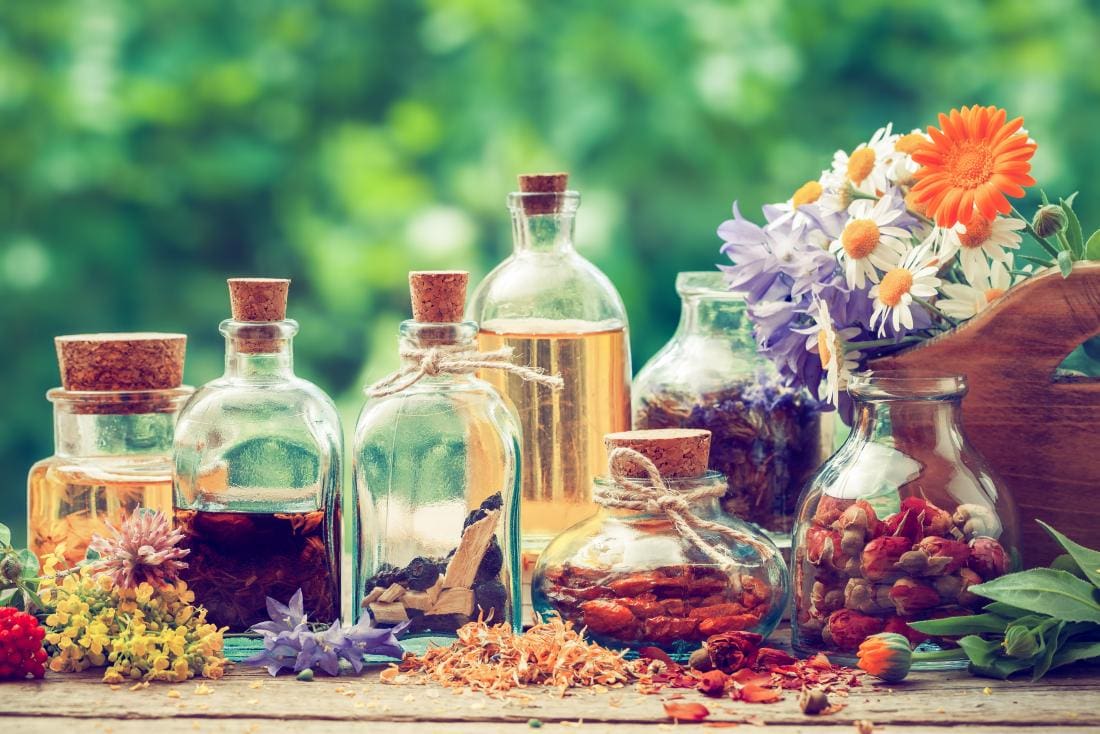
438,296
677,452
258,299
549,184
121,362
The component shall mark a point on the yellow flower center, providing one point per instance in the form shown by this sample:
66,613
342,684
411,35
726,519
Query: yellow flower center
860,165
894,285
992,294
823,349
909,143
970,164
807,193
977,232
860,238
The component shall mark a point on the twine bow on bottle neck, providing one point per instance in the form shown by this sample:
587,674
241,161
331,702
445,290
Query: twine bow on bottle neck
657,497
455,359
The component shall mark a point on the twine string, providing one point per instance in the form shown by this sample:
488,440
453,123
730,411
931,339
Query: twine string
455,359
658,498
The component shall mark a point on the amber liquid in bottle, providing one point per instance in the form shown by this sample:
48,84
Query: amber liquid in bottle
68,506
562,430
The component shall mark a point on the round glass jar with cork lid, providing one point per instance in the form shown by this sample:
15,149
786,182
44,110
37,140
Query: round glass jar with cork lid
257,472
114,417
660,564
436,466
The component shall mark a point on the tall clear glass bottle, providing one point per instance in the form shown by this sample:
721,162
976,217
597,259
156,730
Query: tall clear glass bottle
768,439
113,422
558,312
257,472
436,473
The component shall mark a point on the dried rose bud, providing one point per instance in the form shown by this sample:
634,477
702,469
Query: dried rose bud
911,596
968,577
769,657
829,510
846,629
867,597
934,556
988,558
881,555
700,660
813,701
974,520
856,526
916,519
826,598
730,651
713,683
948,587
900,626
821,544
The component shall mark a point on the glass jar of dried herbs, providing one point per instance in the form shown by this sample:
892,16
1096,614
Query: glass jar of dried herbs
768,439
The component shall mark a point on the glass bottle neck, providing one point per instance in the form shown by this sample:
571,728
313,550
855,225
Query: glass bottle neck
259,351
919,424
544,233
714,315
106,424
418,340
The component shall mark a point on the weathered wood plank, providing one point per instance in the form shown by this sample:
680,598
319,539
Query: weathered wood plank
926,699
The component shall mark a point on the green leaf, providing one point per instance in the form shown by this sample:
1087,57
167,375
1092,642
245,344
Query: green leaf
1066,563
1087,559
5,535
1071,652
969,625
33,600
1005,610
1048,646
29,562
1046,263
1043,197
1073,227
6,596
1065,262
1092,247
1045,591
985,658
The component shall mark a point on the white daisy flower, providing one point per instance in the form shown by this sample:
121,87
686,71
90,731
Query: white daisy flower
831,346
981,241
868,243
869,163
965,300
902,166
914,277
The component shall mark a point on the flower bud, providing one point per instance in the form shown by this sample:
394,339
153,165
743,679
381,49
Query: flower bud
987,558
1020,642
886,656
1049,220
846,629
11,569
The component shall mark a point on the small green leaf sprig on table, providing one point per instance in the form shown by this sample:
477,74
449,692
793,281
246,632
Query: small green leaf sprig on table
18,576
1037,620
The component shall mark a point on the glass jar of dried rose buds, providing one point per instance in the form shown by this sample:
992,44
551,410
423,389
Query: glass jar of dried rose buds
900,522
768,439
660,564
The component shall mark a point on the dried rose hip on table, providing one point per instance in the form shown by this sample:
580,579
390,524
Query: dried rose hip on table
21,652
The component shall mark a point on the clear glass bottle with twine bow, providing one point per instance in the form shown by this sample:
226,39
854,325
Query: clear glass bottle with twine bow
436,466
258,474
660,564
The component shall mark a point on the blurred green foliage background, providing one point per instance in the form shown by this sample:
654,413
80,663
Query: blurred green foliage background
150,148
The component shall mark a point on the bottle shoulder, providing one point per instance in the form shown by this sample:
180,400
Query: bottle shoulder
551,285
431,403
276,404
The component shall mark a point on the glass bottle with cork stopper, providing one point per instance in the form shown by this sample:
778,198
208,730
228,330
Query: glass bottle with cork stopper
436,466
659,564
114,415
559,313
257,472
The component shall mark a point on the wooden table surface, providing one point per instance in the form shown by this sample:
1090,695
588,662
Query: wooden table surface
248,701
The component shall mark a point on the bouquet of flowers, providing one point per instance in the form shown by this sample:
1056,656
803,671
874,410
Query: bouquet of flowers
902,239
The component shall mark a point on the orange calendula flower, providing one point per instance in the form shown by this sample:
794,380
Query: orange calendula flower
886,655
974,161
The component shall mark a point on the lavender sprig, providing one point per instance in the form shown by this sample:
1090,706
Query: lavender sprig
290,642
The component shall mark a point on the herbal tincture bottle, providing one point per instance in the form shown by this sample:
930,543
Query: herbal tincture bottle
561,314
113,420
436,474
257,472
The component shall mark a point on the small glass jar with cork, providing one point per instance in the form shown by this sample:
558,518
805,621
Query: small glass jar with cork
258,472
114,416
437,466
660,564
